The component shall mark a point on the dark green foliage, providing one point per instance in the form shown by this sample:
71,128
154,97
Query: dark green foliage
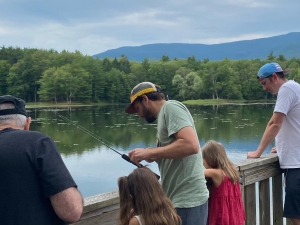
165,58
107,65
124,65
4,70
46,75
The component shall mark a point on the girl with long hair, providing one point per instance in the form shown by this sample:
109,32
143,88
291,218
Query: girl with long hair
225,201
143,201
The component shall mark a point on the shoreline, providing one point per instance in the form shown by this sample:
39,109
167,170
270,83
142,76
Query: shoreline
198,102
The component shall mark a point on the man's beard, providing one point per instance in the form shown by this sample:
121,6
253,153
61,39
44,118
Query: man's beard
148,117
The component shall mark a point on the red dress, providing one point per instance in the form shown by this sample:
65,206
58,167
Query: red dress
225,204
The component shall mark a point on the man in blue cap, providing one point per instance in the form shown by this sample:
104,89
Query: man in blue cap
284,126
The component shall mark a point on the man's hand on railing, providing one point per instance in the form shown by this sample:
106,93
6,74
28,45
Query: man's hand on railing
253,155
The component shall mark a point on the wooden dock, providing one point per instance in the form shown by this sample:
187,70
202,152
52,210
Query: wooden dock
260,177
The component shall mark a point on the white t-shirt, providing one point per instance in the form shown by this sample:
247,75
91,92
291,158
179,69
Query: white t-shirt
139,218
288,138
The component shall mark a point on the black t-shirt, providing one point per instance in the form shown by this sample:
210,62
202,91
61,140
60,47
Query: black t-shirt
31,170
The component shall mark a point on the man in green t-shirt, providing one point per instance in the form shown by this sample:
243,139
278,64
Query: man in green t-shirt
177,153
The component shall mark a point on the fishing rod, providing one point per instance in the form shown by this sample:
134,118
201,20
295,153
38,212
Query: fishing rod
124,156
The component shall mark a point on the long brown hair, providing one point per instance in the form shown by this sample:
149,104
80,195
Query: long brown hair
215,156
141,194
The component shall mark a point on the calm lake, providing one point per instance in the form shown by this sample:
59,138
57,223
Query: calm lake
96,168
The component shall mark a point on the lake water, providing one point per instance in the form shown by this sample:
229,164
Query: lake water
96,168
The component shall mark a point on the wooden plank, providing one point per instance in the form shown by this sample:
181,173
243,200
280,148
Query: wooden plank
260,173
277,200
250,204
100,201
109,218
250,163
264,202
100,211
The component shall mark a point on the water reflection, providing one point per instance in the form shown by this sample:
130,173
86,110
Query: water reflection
95,168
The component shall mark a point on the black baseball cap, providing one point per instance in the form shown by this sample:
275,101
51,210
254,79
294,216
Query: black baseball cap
19,105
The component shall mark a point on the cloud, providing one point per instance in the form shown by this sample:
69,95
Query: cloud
91,26
249,3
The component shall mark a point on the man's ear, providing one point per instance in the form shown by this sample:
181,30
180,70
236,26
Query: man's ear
145,98
27,125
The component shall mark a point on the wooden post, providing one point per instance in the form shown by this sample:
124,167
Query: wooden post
264,202
277,200
250,204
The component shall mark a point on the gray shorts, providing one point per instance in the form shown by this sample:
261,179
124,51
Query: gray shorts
292,193
195,215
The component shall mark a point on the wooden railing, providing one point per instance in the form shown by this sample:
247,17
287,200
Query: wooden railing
100,209
260,179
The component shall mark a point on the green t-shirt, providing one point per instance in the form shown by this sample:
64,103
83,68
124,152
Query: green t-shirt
182,179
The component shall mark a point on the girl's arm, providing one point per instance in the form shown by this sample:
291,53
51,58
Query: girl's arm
134,221
216,175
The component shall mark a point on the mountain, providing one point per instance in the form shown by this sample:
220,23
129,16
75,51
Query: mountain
286,44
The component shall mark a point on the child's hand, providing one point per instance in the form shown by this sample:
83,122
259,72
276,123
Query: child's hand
274,150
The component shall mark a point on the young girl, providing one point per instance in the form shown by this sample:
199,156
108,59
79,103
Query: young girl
143,201
225,201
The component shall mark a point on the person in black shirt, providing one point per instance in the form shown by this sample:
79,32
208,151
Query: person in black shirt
36,187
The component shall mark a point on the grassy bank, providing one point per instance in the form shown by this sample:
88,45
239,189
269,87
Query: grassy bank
62,104
225,101
188,102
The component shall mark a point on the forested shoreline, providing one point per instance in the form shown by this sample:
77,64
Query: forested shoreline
38,75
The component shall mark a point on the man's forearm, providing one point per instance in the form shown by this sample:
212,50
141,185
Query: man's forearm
268,136
68,204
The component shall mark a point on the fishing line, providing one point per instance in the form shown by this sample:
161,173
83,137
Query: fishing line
124,156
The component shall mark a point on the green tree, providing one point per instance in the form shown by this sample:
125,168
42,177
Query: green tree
12,55
4,70
211,79
49,88
74,82
125,65
206,60
192,63
115,64
165,58
281,58
106,64
271,57
118,89
145,69
17,84
189,86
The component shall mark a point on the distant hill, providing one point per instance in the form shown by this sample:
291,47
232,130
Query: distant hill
287,44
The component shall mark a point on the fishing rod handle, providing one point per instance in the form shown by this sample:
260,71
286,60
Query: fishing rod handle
126,157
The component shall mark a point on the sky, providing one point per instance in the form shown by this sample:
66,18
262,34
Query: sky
94,26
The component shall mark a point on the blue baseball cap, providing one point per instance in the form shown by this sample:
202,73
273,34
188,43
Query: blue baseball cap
269,69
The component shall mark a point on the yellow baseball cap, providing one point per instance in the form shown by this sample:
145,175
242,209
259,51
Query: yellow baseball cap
139,90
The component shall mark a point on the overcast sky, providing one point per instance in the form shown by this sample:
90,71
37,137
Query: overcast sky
94,26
